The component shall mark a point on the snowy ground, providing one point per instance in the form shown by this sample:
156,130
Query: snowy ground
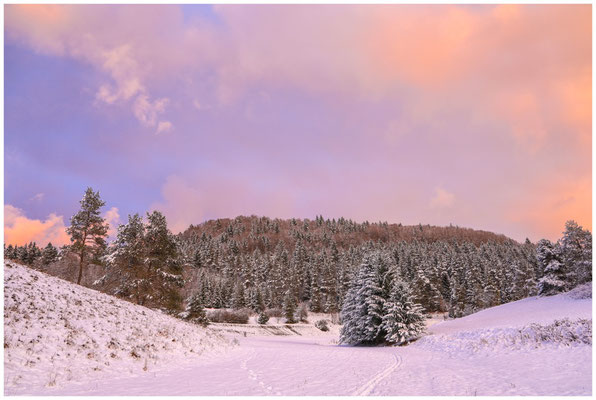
57,333
514,349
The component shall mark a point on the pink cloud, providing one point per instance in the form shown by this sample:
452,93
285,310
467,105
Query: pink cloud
112,217
519,76
19,229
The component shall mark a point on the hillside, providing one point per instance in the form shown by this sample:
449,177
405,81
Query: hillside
344,232
57,333
252,262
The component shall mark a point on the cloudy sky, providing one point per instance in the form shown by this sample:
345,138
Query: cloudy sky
479,116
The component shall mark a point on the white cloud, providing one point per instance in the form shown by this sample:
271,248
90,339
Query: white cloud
37,197
442,199
163,126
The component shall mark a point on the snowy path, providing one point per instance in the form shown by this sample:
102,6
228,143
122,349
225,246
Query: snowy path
260,366
308,366
369,386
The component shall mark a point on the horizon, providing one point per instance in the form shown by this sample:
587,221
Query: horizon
477,116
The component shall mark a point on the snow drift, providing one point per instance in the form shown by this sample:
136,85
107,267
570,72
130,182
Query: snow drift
57,332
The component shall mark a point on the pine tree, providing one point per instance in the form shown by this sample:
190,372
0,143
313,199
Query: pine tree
162,259
195,312
553,280
144,263
576,252
9,252
362,313
263,318
49,255
403,320
289,308
238,301
88,230
127,272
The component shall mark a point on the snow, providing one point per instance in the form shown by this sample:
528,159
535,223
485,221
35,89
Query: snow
526,353
520,313
56,333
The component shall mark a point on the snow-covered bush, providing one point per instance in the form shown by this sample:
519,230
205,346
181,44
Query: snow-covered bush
274,312
229,316
322,325
581,292
563,332
302,313
263,318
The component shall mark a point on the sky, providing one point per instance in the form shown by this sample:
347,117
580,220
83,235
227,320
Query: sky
472,115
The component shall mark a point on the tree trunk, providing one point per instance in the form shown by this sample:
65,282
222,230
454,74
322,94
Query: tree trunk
81,268
82,256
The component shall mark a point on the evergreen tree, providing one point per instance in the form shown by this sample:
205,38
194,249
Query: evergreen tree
163,260
263,318
144,263
553,280
195,312
403,320
49,255
576,252
362,313
238,300
126,261
10,252
88,230
289,308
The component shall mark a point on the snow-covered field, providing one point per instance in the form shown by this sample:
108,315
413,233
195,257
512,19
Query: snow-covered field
57,334
514,349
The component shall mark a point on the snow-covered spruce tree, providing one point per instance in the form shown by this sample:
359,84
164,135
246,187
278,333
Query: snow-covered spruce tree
553,280
9,252
163,260
143,263
263,318
289,308
403,320
49,255
195,312
576,252
237,300
88,230
362,312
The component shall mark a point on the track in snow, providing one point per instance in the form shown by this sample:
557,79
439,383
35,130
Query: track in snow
369,386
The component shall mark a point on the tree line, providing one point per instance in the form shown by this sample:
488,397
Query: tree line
261,263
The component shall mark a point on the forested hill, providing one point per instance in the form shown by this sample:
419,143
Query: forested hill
258,262
265,233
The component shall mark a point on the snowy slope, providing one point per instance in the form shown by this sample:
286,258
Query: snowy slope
541,310
58,333
536,322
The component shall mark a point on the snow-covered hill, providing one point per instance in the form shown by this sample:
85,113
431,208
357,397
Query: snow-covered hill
57,333
560,321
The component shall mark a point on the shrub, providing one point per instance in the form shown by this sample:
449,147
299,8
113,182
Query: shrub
322,325
227,316
302,313
263,318
274,313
